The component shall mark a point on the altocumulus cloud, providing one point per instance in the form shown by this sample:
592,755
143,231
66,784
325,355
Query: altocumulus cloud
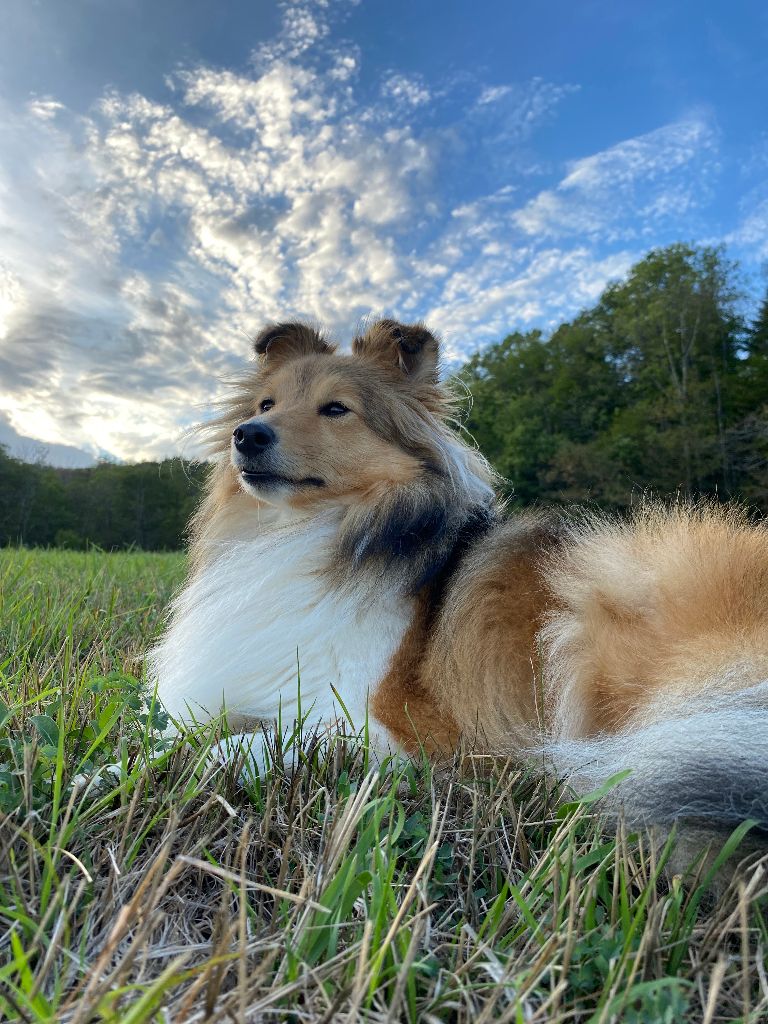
139,243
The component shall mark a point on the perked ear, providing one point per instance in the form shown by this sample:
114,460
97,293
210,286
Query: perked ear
277,343
410,348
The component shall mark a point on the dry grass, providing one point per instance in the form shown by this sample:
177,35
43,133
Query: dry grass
340,892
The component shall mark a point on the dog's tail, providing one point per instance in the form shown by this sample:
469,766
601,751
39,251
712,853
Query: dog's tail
705,769
658,662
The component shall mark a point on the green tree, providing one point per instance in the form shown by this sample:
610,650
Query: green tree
749,436
678,338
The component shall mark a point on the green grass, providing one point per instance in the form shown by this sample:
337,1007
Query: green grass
341,892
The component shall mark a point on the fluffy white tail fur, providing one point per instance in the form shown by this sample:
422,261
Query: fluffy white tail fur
707,765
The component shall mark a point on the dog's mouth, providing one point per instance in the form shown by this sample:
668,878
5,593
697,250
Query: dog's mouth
268,480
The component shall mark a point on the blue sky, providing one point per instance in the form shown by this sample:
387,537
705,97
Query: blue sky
173,174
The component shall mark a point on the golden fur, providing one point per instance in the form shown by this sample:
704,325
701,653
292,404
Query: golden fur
653,611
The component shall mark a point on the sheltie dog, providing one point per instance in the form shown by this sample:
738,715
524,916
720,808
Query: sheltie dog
351,552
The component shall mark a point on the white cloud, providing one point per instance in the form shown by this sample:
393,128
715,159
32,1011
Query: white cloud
751,233
12,300
493,93
648,156
344,66
305,23
520,288
407,89
31,450
662,173
44,108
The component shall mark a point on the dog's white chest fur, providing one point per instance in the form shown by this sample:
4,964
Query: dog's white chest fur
260,618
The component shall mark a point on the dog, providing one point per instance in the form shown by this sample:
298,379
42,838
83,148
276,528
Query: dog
350,560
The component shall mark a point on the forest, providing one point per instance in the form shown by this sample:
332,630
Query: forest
661,387
112,507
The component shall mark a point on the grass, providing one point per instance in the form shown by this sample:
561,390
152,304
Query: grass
341,892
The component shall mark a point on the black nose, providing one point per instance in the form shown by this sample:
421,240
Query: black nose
252,438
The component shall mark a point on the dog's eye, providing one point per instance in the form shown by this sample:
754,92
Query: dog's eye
267,404
333,409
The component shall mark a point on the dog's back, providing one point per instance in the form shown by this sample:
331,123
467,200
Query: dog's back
652,656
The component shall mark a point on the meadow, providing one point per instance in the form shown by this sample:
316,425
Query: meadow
168,889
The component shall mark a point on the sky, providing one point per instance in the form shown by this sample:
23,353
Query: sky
176,173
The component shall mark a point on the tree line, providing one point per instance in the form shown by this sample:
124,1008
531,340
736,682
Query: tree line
108,506
662,386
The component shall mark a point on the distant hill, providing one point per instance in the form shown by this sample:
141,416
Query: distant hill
28,449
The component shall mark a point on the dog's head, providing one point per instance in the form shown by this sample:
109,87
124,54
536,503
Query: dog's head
366,433
323,427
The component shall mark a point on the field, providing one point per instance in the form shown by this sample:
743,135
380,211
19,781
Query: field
167,890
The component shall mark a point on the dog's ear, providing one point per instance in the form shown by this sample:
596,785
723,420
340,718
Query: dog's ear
278,343
409,348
